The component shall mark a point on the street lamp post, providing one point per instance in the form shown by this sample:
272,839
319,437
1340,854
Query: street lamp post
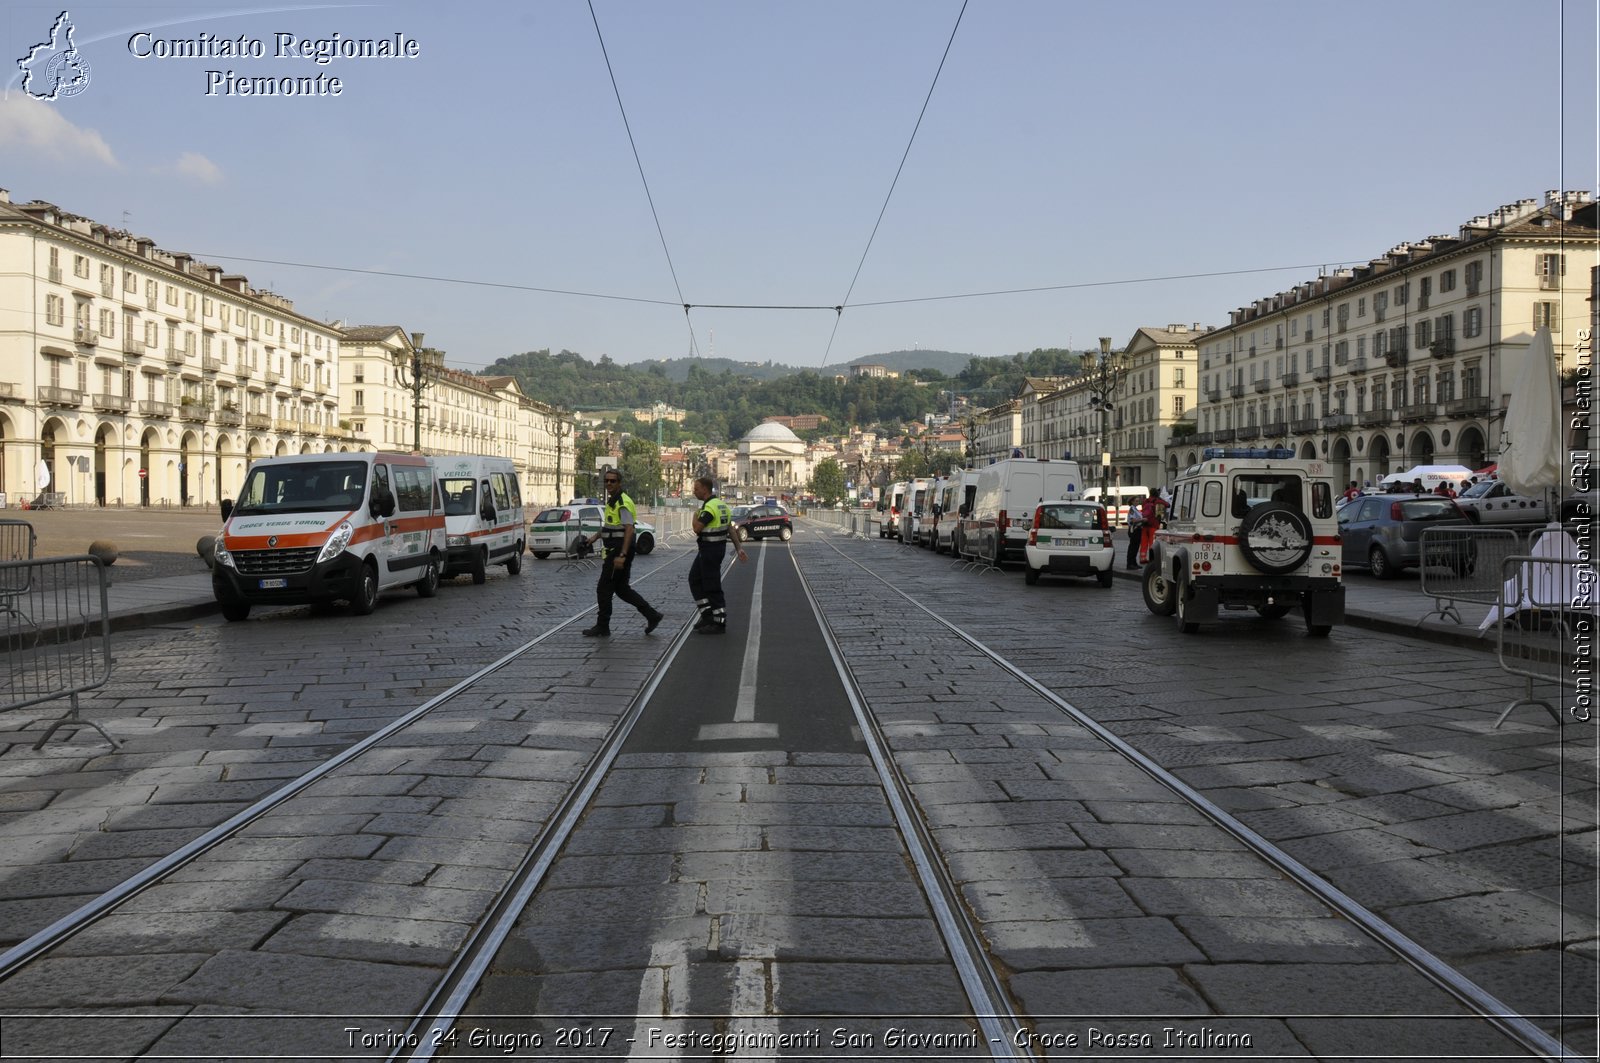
1103,374
561,428
660,410
416,374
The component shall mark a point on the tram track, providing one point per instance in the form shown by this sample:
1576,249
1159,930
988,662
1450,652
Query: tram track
1437,970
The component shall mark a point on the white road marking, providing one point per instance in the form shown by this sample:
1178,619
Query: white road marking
744,706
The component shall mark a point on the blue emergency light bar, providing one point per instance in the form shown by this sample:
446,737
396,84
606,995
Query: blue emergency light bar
1210,453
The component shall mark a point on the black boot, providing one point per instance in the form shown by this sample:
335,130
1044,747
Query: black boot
653,621
597,632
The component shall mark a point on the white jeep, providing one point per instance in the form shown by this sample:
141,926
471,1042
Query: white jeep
1250,528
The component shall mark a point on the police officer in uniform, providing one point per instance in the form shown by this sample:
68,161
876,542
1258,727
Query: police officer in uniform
713,527
617,535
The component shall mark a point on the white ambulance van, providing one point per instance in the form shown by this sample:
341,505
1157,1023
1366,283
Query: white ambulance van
326,527
1008,492
483,519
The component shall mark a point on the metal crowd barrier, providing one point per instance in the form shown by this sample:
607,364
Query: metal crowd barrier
56,635
1461,563
1546,618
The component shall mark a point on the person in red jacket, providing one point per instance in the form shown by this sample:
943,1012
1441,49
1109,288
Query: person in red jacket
1152,512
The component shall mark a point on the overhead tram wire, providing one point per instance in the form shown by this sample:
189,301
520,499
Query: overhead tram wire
839,310
627,127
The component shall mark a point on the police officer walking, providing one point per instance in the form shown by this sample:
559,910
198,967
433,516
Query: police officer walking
713,526
617,535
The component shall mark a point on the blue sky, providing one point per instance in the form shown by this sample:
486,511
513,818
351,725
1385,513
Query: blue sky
1066,144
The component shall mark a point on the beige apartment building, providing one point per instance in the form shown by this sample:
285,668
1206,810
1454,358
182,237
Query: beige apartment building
1408,359
133,376
454,412
130,375
1153,389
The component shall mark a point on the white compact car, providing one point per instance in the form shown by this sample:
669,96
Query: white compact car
1069,538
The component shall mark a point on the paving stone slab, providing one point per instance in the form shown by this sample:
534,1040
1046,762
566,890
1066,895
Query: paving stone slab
385,900
824,814
539,948
698,839
96,981
1009,900
1025,865
1358,1037
614,869
295,983
193,931
1252,939
847,988
1015,836
1108,991
1081,943
377,940
1464,926
1259,897
821,938
84,1035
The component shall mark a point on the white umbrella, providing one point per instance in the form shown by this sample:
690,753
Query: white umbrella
43,474
1532,459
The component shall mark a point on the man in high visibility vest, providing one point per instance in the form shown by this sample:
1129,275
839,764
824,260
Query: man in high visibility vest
713,528
617,535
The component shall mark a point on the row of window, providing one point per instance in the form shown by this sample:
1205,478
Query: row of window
156,292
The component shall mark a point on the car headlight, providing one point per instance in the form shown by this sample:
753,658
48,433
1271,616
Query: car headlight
456,540
224,557
336,542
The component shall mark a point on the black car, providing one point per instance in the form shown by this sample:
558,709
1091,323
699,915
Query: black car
765,520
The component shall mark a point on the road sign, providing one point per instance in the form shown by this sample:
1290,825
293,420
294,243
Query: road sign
143,473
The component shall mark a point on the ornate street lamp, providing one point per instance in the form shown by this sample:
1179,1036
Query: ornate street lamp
417,373
1103,375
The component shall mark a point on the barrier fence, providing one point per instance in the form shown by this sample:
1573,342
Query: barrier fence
1461,563
56,635
1545,618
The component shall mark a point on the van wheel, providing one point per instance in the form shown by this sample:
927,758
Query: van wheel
1031,576
645,543
235,611
479,566
365,599
514,562
428,586
540,555
1105,577
1157,591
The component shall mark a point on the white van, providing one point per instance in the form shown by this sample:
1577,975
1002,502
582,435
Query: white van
1007,494
914,512
325,527
1119,501
889,507
483,520
956,493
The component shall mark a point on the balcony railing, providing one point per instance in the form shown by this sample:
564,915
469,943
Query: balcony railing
257,420
1473,406
1290,380
132,348
1248,433
8,391
1417,412
210,363
1304,426
153,408
280,424
174,356
85,335
194,411
1236,390
1275,428
1338,420
1322,373
1262,386
230,418
1371,418
1358,365
1214,395
1442,348
112,403
49,396
1225,435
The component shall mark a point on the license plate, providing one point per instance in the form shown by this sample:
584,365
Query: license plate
273,584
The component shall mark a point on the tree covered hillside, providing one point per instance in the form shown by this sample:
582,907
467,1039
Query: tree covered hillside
724,404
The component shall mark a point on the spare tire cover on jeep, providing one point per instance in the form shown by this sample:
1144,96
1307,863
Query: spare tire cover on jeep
1275,538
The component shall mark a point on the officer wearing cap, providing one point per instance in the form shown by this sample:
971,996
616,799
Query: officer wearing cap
713,528
617,535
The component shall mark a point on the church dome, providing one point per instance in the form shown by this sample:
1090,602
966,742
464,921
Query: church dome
771,432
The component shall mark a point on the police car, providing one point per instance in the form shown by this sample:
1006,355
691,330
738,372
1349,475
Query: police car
1249,528
558,529
1069,537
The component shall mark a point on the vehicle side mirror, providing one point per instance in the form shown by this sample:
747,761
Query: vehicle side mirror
227,508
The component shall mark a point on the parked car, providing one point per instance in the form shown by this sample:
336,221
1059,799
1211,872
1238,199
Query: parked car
558,529
763,521
1493,502
1383,534
1069,538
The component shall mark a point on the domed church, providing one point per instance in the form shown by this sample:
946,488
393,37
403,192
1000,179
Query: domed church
772,461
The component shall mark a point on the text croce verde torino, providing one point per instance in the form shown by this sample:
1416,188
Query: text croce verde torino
319,50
